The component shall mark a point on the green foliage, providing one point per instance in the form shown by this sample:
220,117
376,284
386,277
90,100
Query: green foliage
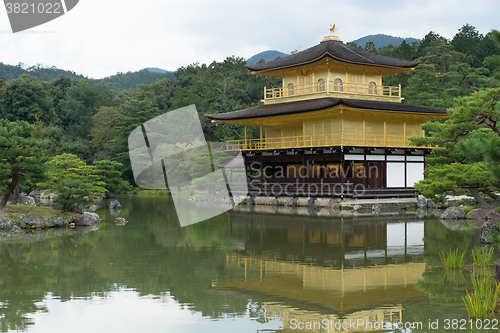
109,172
482,301
43,73
27,98
131,80
470,162
82,101
22,158
74,181
453,260
104,133
482,259
79,149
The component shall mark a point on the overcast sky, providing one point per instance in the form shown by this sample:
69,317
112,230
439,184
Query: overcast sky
99,38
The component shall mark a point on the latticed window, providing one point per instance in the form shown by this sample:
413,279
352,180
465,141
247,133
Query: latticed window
321,85
291,89
372,88
338,85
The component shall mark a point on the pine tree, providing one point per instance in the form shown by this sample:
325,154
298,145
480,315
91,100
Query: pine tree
22,158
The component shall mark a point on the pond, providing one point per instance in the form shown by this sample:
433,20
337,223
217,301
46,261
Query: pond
242,271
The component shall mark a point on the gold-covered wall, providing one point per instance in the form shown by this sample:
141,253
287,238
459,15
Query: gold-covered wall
365,128
313,74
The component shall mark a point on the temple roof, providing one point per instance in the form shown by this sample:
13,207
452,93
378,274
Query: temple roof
321,104
336,50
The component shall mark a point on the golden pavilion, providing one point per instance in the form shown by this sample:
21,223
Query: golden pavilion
332,129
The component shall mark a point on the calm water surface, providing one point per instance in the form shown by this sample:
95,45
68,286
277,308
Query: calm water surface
260,271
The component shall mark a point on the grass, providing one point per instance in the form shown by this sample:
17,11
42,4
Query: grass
494,238
453,260
152,192
482,301
482,259
454,276
16,212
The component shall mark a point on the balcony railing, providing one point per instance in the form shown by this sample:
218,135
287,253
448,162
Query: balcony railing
329,88
332,140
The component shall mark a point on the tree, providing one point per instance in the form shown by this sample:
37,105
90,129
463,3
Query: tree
469,160
104,133
22,158
370,47
109,172
83,99
26,98
74,181
467,41
424,87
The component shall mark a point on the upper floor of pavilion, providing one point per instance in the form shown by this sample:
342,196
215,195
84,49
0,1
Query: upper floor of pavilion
332,69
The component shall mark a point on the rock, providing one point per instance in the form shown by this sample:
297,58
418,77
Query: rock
93,217
77,208
57,206
431,204
4,235
115,212
39,204
36,193
32,237
250,201
28,201
130,196
356,208
485,232
421,202
120,221
116,205
83,221
32,220
16,229
454,224
376,208
5,223
476,224
68,219
483,214
453,213
93,208
420,213
53,196
55,221
311,202
56,231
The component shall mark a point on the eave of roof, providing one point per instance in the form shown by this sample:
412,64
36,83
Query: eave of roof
321,104
336,50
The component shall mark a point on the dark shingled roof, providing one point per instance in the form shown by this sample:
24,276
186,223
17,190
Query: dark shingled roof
321,104
337,50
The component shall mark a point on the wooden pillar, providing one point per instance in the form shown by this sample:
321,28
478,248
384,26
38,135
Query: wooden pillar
328,83
404,134
261,139
385,135
246,137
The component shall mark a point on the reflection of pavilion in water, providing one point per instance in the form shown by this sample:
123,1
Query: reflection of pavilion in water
343,268
295,320
327,241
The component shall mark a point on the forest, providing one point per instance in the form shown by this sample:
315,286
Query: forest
93,119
